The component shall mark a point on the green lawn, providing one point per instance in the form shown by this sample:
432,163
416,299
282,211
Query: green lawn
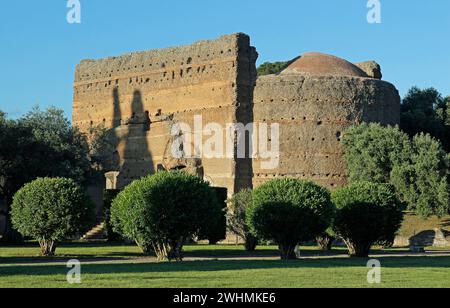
124,266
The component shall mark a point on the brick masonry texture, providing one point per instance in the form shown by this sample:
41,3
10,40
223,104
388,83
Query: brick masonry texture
139,97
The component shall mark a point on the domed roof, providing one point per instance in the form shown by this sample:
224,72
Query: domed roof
315,63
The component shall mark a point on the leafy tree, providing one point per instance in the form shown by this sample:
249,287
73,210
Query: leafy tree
419,169
289,211
67,149
367,214
50,210
443,112
371,151
426,111
236,218
21,161
42,144
268,68
422,180
161,211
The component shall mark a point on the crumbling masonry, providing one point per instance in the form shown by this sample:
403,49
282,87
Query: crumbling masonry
139,98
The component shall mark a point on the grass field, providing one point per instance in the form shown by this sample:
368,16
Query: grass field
216,266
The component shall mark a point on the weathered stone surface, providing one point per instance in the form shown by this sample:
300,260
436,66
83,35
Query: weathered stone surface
319,64
314,111
371,68
140,97
427,238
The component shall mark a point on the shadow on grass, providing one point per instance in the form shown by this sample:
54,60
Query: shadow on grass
213,266
192,251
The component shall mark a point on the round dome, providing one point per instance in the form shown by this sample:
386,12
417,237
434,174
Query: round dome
315,63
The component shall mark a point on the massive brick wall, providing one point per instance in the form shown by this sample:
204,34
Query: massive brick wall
140,96
313,112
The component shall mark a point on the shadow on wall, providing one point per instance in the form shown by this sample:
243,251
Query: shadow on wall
131,154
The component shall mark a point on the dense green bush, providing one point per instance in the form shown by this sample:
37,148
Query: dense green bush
50,210
161,211
268,68
367,214
236,221
289,211
422,180
418,168
372,151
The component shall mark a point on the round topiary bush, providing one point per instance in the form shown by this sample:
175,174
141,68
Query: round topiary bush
289,211
367,214
159,212
50,210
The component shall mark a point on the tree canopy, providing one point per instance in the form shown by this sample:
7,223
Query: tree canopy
269,68
427,111
418,167
41,144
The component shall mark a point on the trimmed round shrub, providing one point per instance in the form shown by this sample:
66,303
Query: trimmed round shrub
367,214
289,211
51,210
160,212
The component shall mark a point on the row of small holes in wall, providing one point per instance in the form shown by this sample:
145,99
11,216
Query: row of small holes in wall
313,175
162,64
300,99
166,76
314,139
266,176
318,122
92,106
306,157
157,114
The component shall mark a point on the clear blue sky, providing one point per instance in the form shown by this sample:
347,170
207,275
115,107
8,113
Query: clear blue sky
39,49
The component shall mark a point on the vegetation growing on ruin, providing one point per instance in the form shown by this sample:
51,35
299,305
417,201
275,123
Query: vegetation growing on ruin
269,68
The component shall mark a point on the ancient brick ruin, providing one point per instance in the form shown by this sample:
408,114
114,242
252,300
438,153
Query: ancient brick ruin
139,98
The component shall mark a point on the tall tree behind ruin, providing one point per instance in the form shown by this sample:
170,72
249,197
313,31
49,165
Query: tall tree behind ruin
425,110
